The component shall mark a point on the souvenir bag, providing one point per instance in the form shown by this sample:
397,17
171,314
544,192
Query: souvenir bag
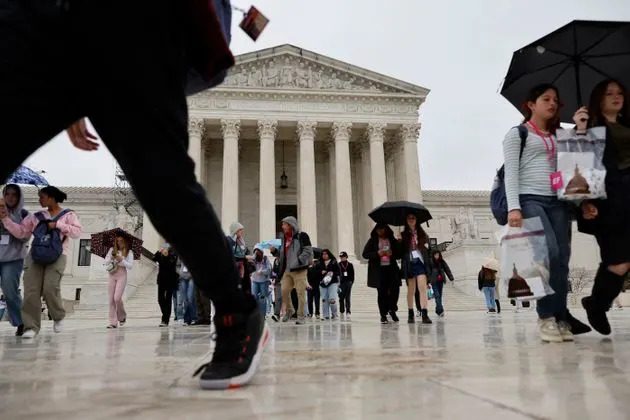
430,292
580,164
525,261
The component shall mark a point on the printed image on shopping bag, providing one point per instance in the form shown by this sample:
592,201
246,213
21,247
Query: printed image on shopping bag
525,261
580,164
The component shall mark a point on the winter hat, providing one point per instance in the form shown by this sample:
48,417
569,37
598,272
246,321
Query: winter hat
235,227
290,220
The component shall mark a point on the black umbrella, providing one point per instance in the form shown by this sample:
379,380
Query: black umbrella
395,212
574,58
317,253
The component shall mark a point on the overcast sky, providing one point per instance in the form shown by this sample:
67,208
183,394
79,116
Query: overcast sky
459,49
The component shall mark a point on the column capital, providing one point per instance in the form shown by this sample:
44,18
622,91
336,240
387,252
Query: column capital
306,129
410,132
267,128
376,131
196,126
230,128
341,130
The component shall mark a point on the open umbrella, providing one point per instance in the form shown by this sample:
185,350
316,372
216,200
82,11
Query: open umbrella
574,58
26,176
317,253
270,243
103,241
395,212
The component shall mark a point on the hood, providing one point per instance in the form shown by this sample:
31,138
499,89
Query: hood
20,205
388,232
292,221
235,227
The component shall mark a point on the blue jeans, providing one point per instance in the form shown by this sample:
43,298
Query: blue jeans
186,308
437,287
488,292
260,291
555,219
10,273
329,300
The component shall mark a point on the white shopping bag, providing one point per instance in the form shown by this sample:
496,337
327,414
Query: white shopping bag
525,261
580,164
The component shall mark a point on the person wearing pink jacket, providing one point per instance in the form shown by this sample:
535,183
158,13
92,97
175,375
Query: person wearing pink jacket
44,280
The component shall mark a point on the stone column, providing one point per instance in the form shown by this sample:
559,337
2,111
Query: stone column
307,205
196,128
378,178
229,200
345,226
409,137
267,192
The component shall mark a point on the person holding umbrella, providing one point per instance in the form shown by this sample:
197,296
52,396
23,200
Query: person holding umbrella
609,219
118,262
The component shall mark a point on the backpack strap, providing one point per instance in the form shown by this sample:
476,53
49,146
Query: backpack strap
24,213
40,216
523,132
60,215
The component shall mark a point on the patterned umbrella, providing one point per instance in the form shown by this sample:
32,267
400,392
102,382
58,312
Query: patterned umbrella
26,176
103,241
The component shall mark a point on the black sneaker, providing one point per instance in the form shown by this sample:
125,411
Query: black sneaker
20,330
275,317
240,340
384,320
394,316
201,322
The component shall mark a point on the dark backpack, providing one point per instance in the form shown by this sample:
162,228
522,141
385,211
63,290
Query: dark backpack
498,198
47,245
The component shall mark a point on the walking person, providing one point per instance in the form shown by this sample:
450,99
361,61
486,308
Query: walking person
608,220
313,293
46,261
438,272
414,257
346,280
186,293
529,193
119,261
12,253
487,279
167,280
277,285
382,250
296,254
240,252
328,271
261,279
176,38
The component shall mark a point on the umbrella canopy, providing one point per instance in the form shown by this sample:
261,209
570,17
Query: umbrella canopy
271,243
26,176
490,264
317,253
395,213
574,58
103,241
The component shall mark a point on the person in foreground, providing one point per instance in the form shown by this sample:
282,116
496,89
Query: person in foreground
609,219
151,147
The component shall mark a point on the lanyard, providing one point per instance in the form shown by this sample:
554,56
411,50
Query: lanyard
551,149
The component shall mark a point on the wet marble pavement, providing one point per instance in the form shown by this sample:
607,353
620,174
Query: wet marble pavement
468,365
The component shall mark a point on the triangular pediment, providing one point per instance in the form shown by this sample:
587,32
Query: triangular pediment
291,68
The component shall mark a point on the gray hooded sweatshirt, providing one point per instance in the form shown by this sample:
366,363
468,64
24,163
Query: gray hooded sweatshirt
299,254
16,249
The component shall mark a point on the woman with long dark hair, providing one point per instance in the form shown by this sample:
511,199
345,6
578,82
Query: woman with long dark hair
415,257
328,284
382,250
609,219
119,261
529,194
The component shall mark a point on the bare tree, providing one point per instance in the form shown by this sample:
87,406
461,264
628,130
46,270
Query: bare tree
580,279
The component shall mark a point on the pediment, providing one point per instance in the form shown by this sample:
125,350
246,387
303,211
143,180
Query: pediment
291,68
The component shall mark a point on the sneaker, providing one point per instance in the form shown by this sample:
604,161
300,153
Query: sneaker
318,316
565,331
300,321
275,317
163,324
58,326
549,331
596,317
287,316
394,316
110,326
441,314
418,314
122,323
348,317
384,320
240,342
201,322
20,330
29,334
325,318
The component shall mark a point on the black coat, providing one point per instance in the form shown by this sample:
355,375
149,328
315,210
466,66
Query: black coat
437,268
332,266
349,269
405,257
370,253
167,271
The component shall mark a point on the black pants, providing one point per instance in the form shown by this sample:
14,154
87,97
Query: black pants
203,306
313,299
388,290
294,301
131,86
165,299
345,294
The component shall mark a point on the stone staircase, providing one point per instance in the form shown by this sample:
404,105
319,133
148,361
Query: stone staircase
143,304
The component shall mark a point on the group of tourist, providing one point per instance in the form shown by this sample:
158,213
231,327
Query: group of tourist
529,191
